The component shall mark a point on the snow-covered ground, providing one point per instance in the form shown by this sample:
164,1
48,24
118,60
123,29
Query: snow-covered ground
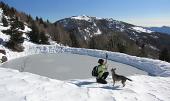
23,86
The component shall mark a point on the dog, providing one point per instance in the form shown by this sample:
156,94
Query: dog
116,77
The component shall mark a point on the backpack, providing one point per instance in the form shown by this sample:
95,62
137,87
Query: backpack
95,71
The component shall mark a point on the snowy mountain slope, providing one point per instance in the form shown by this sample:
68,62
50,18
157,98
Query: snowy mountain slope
88,24
140,29
22,86
103,33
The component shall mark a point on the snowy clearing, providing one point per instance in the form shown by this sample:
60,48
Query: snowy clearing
22,86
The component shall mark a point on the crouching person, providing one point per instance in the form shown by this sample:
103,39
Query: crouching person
102,72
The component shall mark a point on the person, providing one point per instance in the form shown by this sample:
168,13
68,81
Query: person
102,71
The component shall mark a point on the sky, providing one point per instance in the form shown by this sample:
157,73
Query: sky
138,12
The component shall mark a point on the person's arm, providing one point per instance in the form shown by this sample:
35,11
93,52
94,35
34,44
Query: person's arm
106,59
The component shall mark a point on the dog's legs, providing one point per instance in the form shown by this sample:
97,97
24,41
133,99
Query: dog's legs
113,82
123,82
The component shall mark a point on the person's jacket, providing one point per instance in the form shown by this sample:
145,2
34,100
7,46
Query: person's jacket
101,70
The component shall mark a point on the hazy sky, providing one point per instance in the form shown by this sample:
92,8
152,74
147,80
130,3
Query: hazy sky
138,12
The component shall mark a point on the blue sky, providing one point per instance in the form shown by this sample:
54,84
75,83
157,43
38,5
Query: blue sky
139,12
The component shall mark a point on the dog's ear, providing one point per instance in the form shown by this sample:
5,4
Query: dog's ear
111,69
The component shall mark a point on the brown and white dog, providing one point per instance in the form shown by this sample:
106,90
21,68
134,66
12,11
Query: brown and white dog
116,77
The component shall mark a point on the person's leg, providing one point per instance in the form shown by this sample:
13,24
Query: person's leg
102,81
104,76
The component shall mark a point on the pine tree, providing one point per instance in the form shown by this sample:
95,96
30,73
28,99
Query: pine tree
164,55
29,19
34,35
16,38
18,24
48,21
37,19
41,21
4,21
121,48
43,38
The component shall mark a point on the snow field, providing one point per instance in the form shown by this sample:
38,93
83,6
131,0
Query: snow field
23,86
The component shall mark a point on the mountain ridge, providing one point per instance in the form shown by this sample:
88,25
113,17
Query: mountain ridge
163,29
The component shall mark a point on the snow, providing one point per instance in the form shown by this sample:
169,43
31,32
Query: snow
23,86
153,47
154,67
1,12
83,17
140,29
26,29
2,35
154,36
98,32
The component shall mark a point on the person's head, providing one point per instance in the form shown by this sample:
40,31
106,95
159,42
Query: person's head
101,61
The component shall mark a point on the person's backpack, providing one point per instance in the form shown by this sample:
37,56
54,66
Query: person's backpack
94,71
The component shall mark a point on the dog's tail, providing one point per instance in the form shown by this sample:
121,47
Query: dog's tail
128,79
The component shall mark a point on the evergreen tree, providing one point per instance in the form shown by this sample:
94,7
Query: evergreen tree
4,21
18,24
29,19
121,48
48,21
73,38
43,38
41,21
16,38
164,55
37,19
34,35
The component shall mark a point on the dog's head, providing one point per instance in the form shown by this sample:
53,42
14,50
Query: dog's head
113,69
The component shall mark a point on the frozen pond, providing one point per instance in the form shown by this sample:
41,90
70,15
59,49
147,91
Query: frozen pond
64,66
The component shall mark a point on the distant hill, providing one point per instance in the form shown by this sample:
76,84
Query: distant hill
163,29
113,35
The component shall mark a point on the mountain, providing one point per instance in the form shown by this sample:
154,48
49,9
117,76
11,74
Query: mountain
81,32
113,35
163,29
